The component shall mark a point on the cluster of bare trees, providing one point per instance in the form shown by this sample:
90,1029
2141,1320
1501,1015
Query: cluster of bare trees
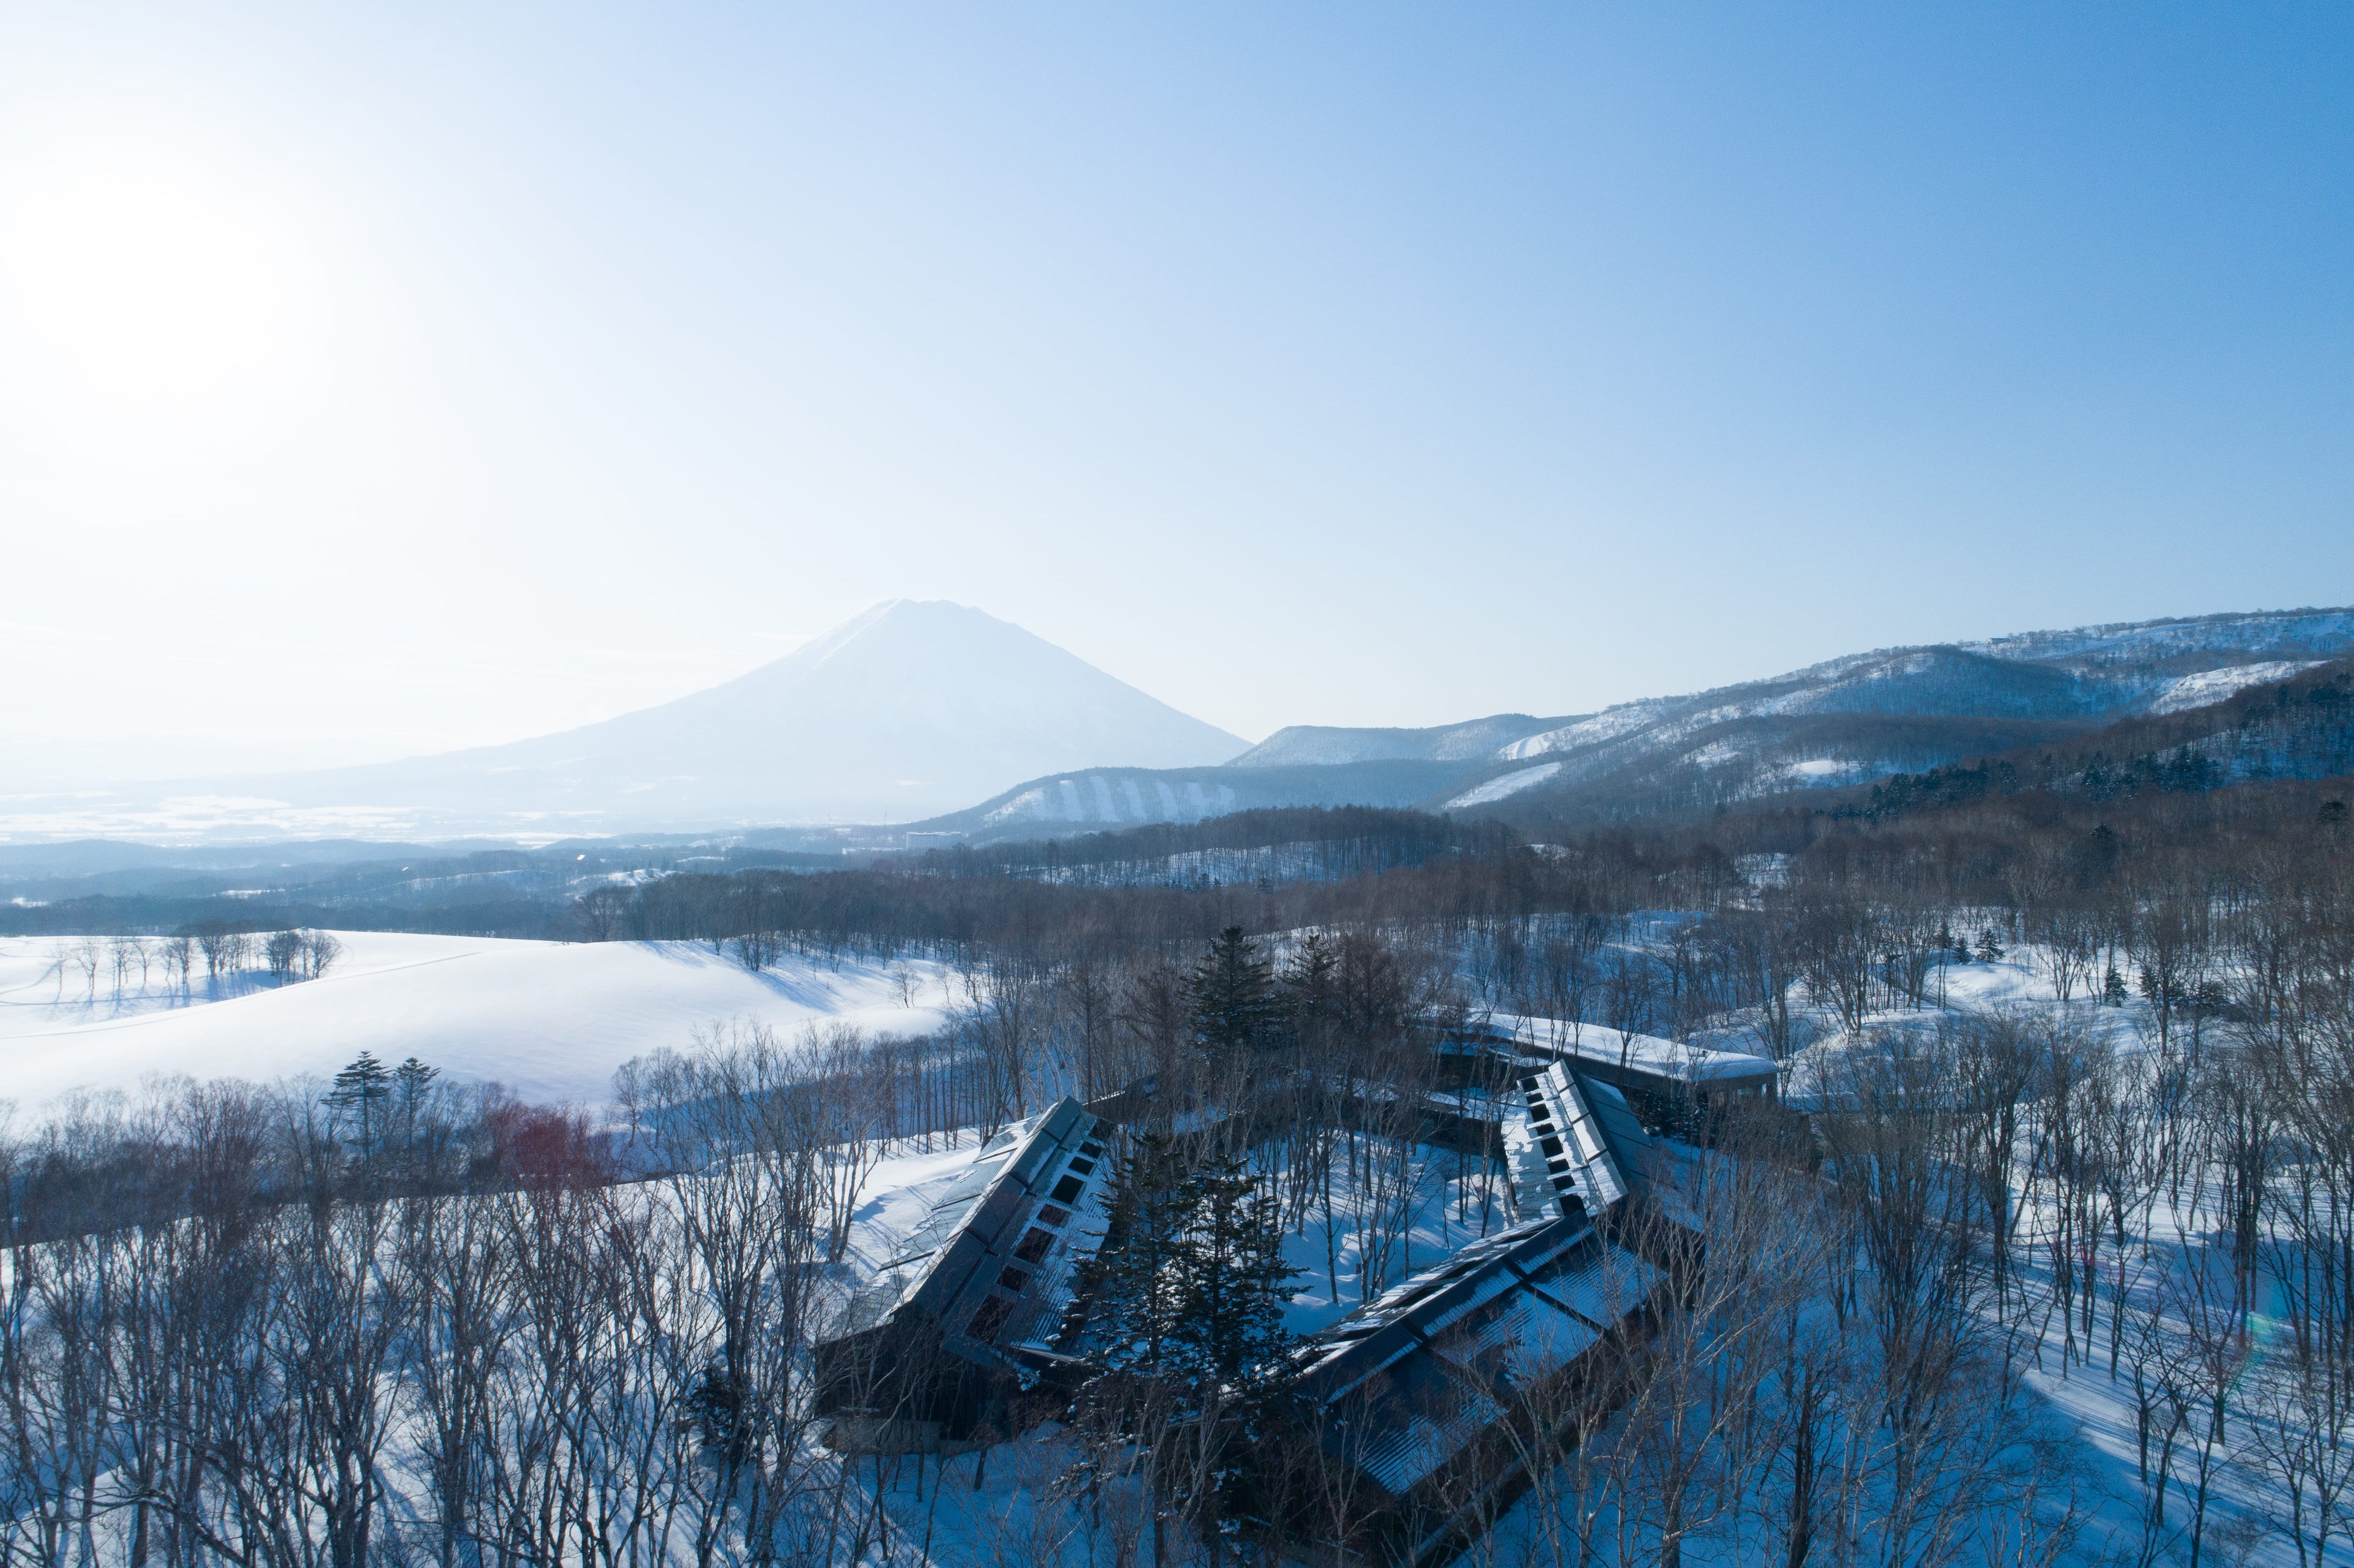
883,911
1814,1382
385,1319
457,1338
2162,1221
1664,932
1842,1377
226,952
2149,1200
116,957
463,1341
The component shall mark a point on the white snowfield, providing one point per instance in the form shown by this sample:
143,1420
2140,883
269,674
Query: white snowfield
549,1020
2206,686
1504,784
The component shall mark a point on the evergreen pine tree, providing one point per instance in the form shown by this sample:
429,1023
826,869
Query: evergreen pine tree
2113,988
1187,1298
1231,1338
411,1080
1134,1287
1308,986
1135,1284
1235,1281
1231,996
361,1091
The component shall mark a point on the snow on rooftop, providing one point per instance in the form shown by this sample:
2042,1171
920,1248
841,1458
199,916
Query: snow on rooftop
1605,1046
1409,1381
1556,1152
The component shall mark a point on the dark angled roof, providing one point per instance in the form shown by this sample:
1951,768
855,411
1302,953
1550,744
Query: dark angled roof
1410,1382
992,1262
1412,1378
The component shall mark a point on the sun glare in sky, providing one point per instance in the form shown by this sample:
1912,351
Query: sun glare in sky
144,275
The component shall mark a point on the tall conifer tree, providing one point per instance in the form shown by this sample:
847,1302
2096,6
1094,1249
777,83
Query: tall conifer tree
1232,994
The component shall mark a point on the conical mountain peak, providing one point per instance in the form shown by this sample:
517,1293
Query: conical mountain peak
908,708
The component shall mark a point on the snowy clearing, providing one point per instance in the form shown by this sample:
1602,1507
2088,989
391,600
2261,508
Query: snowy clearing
549,1020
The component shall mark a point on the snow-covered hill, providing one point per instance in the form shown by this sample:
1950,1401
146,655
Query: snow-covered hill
549,1020
2097,672
1326,745
1099,799
914,707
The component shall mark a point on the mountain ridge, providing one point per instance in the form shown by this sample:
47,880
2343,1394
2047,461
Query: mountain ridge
1837,723
1848,720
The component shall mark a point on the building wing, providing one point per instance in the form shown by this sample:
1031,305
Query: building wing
993,1263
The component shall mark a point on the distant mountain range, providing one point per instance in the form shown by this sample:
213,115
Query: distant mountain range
1893,710
914,711
1843,722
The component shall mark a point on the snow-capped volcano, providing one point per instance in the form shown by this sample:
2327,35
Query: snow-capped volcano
911,708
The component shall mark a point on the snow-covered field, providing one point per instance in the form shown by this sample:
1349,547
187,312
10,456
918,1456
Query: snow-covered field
549,1020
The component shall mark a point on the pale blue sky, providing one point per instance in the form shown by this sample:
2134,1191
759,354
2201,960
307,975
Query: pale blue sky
377,380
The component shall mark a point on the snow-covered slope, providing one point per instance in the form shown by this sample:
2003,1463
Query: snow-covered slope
1505,784
2151,666
2196,691
1096,798
1327,744
549,1020
911,708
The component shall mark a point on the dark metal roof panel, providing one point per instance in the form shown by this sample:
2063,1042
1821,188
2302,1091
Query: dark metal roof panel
963,1255
1410,1380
